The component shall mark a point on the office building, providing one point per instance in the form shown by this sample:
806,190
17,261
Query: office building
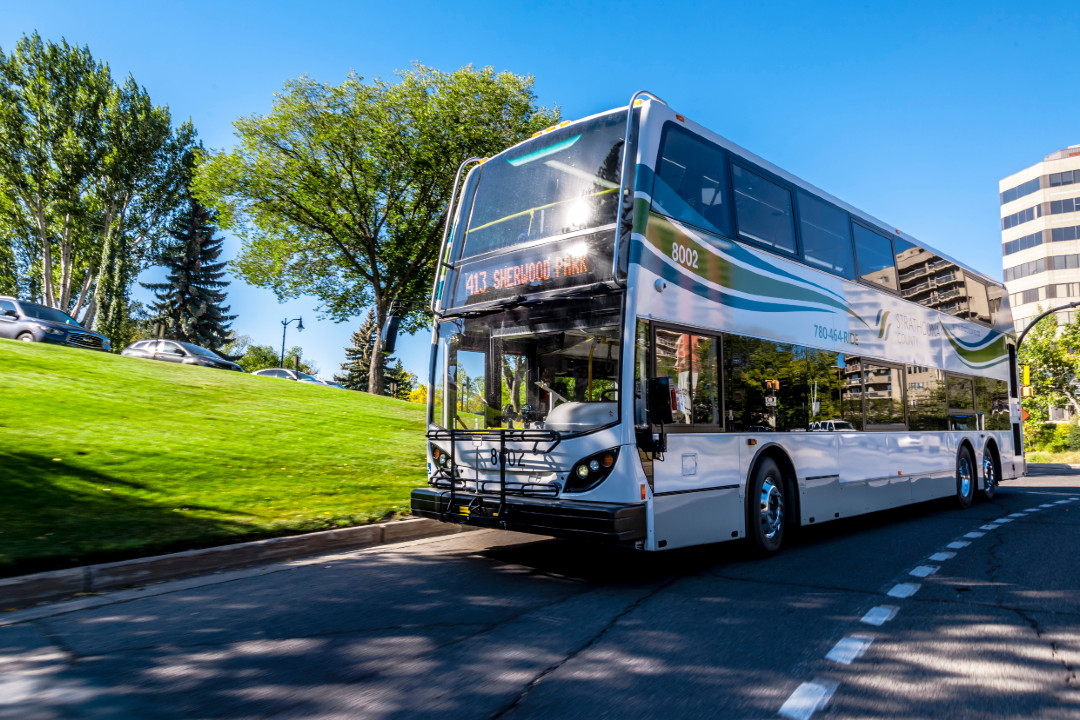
1040,234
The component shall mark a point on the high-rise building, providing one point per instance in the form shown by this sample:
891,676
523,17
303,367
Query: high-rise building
1040,232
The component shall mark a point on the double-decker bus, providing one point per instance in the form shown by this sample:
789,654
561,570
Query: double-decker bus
646,335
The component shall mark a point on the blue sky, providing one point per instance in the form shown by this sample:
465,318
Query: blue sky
909,111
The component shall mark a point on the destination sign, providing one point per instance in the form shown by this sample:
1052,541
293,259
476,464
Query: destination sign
551,266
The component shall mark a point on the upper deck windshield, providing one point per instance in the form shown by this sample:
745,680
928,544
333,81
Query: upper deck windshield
551,366
561,182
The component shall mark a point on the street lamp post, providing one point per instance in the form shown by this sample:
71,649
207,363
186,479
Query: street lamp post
1031,324
284,325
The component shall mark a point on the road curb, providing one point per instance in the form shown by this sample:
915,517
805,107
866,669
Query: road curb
57,584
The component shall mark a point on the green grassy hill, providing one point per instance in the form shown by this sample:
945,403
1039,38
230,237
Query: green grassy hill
104,457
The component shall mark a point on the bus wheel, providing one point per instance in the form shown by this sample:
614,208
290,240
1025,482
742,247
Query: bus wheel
990,478
767,508
965,478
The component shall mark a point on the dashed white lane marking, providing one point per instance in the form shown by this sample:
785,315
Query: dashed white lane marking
880,615
813,696
849,649
904,590
807,698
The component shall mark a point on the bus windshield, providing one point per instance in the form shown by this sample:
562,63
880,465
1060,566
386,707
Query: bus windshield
558,183
551,366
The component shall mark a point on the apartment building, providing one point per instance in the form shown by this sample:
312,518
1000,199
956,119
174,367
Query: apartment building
1040,234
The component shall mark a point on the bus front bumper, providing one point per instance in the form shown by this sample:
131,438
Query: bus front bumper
603,522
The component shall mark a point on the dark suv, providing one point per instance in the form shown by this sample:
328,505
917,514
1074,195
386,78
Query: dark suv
30,322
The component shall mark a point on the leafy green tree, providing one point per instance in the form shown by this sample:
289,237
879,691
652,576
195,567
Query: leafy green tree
9,277
90,172
258,357
189,302
341,191
1053,353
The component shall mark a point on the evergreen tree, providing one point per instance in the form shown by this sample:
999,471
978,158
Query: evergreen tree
355,369
397,381
190,300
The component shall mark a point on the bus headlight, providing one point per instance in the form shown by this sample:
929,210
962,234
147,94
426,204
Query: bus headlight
441,457
589,472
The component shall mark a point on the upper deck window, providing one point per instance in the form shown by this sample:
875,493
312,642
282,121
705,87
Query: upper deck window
826,237
560,182
875,256
763,210
691,182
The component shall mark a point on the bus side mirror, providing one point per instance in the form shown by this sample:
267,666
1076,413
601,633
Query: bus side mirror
388,337
661,400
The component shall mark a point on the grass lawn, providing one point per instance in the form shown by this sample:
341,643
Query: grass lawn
104,457
1040,456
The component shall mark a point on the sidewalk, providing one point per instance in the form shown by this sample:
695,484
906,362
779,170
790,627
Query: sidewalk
17,592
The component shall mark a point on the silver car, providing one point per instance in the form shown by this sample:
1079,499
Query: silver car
286,374
176,351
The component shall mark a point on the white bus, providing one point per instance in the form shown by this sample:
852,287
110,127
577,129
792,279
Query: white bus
726,353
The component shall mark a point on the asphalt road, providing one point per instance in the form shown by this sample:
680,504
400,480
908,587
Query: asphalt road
497,625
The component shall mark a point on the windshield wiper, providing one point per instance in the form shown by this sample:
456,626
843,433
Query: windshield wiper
584,292
488,308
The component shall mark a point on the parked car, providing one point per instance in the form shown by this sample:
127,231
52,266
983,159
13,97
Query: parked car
832,426
31,322
331,383
286,374
178,352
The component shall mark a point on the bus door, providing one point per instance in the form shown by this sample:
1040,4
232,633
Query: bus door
696,479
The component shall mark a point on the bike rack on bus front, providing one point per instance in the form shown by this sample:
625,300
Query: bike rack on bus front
536,437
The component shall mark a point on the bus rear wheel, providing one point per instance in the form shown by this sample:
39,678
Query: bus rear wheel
965,478
990,477
766,508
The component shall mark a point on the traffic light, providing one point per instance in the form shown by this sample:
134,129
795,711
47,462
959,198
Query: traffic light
1025,375
772,385
1025,392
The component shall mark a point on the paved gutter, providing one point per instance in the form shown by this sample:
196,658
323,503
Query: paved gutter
25,590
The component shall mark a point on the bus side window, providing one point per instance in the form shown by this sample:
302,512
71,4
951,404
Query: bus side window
691,183
672,361
926,399
961,398
874,255
826,237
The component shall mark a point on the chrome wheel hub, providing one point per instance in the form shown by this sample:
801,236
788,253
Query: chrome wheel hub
964,471
988,474
772,509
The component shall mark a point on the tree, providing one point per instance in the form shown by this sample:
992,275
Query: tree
398,381
1053,353
189,302
341,191
258,357
89,174
357,365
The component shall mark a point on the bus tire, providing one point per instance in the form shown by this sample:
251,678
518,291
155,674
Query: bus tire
965,477
989,473
766,508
